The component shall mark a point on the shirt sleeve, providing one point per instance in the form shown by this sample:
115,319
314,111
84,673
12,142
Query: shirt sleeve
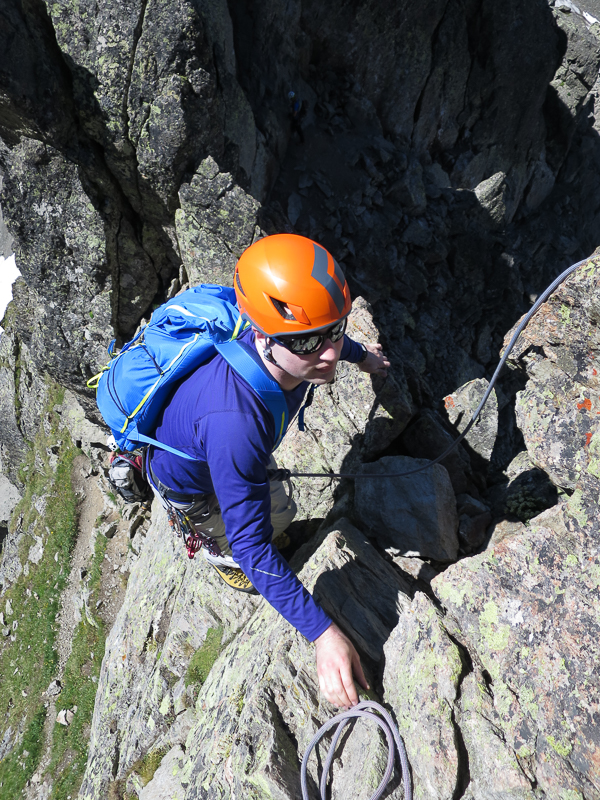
351,350
238,449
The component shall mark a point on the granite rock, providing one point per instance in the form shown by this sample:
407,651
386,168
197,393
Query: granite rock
409,516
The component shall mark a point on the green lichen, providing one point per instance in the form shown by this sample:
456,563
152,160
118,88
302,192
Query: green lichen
589,269
562,748
454,594
570,794
533,565
575,509
592,573
502,698
571,560
565,314
495,634
203,659
527,699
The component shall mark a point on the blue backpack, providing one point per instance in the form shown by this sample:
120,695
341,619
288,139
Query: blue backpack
183,333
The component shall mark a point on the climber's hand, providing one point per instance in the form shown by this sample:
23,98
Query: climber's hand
336,661
375,363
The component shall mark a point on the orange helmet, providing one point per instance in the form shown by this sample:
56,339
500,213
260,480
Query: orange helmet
289,284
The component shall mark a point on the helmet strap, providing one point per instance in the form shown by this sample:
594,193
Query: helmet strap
267,352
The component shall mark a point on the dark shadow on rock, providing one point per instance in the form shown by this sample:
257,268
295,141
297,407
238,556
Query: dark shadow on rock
464,281
523,497
346,593
134,214
299,533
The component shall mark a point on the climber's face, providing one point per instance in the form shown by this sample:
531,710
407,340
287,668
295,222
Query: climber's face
290,369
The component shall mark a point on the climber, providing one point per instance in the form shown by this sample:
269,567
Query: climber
296,301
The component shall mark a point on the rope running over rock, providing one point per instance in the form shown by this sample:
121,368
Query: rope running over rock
526,319
394,741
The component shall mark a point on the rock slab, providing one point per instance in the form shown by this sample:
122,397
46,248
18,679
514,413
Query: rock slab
411,516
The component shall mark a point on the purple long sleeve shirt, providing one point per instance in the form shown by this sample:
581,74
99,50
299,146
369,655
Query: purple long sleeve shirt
214,416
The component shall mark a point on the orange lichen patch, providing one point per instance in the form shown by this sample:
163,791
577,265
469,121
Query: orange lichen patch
588,439
587,404
449,402
594,371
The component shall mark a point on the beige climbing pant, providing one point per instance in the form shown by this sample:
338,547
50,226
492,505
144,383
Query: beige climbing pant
207,519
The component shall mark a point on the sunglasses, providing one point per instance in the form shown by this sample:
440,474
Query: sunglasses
312,342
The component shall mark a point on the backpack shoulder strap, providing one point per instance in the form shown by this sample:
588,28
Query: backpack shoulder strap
246,362
162,446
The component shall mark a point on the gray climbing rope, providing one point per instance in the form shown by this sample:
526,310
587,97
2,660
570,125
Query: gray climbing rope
526,319
394,741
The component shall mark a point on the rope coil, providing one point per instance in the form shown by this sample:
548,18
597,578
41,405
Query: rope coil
395,743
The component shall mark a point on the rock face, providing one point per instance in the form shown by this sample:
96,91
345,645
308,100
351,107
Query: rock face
446,712
450,163
557,411
144,689
260,701
523,608
173,131
348,422
412,516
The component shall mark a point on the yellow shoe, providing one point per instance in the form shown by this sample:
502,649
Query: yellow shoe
235,578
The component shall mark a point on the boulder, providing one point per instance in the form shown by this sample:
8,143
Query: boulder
409,516
216,222
460,407
445,712
426,437
492,193
54,689
522,611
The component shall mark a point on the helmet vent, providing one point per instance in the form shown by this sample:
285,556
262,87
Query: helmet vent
239,283
282,308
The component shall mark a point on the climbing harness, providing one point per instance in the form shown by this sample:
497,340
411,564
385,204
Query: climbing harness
287,474
395,743
193,540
